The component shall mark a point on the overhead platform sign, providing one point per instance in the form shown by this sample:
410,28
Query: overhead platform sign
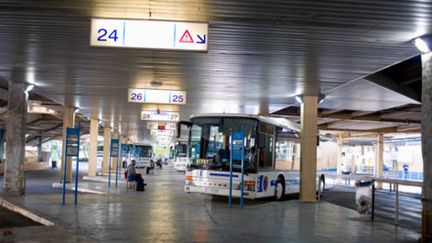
149,34
168,133
157,96
161,126
160,116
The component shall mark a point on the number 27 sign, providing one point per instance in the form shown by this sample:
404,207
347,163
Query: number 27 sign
156,96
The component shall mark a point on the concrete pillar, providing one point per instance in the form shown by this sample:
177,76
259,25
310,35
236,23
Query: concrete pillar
123,140
115,135
427,147
94,126
106,149
340,159
264,110
40,156
2,144
13,181
379,158
308,151
68,121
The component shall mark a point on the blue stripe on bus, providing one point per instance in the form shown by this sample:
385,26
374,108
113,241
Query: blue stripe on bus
221,175
287,182
329,170
292,182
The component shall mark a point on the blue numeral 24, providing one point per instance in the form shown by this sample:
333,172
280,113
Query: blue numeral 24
103,32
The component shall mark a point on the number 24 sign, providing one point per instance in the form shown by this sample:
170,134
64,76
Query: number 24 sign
156,96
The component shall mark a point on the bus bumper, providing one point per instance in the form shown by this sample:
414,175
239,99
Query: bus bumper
219,191
180,167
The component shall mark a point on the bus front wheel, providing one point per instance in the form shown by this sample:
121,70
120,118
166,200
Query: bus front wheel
279,190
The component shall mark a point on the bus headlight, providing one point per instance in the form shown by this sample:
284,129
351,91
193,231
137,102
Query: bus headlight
188,180
248,186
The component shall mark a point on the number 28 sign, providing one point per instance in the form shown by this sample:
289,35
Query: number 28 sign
160,116
156,96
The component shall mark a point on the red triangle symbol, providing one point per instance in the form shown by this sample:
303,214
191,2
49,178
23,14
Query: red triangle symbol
186,37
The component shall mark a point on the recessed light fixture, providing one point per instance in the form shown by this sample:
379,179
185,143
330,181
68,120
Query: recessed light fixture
422,44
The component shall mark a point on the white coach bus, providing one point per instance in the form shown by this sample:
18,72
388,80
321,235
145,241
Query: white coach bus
209,156
180,156
144,155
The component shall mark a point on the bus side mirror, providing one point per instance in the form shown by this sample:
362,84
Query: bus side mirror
186,123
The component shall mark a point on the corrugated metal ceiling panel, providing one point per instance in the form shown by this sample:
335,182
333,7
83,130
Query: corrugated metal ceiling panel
260,52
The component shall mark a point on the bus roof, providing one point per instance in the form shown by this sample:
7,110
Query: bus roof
277,121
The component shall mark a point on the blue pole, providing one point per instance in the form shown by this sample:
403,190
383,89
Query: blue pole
231,175
109,173
77,164
117,163
64,169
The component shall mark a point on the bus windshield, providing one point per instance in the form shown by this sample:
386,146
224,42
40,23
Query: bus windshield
145,151
180,150
210,143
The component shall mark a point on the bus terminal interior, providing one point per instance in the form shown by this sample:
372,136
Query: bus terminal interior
215,121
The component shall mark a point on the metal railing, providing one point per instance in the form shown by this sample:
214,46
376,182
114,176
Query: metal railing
396,183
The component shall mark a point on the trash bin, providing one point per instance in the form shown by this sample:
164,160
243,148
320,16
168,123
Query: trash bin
363,196
53,164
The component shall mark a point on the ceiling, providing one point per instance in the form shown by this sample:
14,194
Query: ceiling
261,54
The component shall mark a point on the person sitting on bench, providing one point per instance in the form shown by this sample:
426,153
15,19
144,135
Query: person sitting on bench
133,176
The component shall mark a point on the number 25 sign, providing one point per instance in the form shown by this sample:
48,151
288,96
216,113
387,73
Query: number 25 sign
156,96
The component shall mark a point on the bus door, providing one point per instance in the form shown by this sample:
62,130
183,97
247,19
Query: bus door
266,146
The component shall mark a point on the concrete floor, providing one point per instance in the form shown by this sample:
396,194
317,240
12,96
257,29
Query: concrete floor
164,213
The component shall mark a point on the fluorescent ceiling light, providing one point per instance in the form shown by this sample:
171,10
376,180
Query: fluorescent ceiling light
39,109
321,98
421,44
299,99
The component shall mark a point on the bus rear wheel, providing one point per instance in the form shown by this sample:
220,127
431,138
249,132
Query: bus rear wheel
279,190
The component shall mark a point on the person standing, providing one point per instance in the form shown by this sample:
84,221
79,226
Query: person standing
405,169
252,158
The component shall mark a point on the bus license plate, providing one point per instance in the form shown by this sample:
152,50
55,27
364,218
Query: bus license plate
212,190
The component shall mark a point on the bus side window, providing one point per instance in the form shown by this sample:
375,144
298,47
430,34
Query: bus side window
261,147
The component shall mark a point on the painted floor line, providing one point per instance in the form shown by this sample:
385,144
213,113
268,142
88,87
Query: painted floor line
71,187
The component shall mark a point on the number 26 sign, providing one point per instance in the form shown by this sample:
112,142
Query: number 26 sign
156,96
